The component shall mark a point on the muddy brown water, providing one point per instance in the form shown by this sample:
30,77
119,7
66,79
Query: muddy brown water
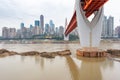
60,68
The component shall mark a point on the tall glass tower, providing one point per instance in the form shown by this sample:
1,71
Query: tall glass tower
37,23
42,22
110,26
52,26
22,25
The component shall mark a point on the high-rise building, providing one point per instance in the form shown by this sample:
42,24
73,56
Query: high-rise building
110,26
5,32
51,22
117,31
28,33
36,30
31,26
23,32
12,32
22,25
42,23
61,31
57,31
8,32
37,23
104,27
47,29
18,33
52,27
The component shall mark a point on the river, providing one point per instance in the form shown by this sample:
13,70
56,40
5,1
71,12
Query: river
60,68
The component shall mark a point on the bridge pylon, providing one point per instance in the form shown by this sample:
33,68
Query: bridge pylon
66,38
89,31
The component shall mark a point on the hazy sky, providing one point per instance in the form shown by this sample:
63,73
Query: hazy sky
13,12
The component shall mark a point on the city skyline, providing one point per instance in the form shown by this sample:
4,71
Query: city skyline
14,12
38,30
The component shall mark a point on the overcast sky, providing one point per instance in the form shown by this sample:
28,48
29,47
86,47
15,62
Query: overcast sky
13,12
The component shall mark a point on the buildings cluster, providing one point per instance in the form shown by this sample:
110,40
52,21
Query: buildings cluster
108,27
48,30
108,30
39,29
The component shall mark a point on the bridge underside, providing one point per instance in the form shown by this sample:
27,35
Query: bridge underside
89,7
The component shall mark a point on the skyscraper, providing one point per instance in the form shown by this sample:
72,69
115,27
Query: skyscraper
22,25
42,23
12,32
5,32
52,27
23,32
104,28
61,31
47,29
110,26
57,31
37,23
117,31
36,30
31,26
8,32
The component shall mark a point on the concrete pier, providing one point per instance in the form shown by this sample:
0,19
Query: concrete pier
91,52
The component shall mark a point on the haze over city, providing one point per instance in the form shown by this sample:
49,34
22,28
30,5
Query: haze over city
14,12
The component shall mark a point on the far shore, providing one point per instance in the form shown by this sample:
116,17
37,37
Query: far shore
38,41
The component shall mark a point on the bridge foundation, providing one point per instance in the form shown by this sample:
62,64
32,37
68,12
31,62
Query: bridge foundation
91,52
89,32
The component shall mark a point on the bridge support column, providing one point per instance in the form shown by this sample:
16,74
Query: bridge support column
89,31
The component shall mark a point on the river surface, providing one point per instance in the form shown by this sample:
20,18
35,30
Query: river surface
60,68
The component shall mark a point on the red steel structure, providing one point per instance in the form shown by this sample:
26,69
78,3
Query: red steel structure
89,6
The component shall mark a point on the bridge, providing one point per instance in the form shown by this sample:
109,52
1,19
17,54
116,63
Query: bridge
89,7
89,31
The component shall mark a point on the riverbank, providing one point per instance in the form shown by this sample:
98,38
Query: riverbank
38,41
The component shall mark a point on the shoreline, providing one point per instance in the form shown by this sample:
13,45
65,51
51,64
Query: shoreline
37,41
